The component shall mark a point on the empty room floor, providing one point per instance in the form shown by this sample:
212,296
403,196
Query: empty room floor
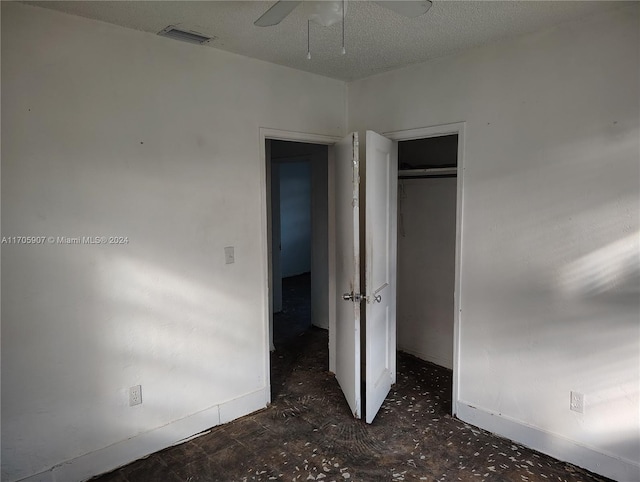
309,433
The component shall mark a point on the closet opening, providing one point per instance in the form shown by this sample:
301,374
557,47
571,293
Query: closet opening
427,210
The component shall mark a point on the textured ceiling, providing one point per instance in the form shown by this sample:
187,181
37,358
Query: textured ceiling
377,39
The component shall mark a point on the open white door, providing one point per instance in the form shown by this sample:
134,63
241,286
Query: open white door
347,249
381,181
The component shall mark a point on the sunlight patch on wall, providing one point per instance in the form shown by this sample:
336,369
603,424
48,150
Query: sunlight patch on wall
604,269
173,335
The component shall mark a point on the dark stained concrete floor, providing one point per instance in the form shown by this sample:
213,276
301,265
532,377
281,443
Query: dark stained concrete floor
308,433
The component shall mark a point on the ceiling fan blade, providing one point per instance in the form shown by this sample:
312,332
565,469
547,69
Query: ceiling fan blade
408,8
276,13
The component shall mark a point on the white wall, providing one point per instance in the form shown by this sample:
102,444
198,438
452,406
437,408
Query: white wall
109,131
426,268
295,217
550,267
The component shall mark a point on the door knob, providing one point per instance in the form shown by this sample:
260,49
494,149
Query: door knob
377,298
356,297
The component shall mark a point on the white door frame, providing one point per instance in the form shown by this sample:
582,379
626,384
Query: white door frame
435,131
265,134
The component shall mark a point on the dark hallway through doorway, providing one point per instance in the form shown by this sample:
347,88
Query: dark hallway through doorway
295,317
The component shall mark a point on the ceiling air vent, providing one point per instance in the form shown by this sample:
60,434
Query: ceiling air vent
185,35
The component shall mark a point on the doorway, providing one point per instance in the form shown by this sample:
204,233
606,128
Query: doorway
298,201
291,244
430,162
426,247
343,153
299,238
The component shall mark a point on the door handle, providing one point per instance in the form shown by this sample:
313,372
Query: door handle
358,297
355,297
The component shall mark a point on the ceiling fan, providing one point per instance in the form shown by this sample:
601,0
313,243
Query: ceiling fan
328,12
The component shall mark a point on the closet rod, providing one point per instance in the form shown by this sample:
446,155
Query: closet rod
431,172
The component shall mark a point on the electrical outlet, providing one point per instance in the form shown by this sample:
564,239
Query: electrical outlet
229,255
135,395
577,402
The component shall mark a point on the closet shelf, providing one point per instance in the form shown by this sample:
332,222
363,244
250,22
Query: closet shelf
430,172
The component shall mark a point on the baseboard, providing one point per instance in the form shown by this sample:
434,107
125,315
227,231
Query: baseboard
239,407
435,360
551,444
121,453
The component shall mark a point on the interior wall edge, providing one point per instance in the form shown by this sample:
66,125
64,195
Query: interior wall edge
594,460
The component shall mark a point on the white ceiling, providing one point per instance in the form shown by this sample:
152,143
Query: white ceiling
377,39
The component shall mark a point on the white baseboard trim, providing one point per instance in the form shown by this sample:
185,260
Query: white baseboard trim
423,356
551,444
241,406
121,453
